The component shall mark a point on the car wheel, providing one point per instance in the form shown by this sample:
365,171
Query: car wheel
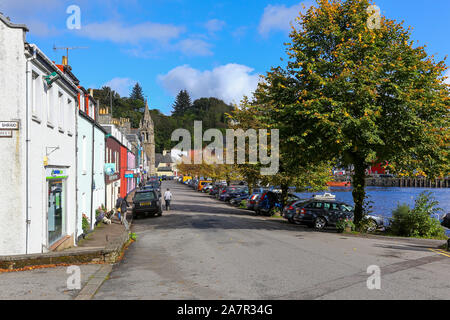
372,226
320,223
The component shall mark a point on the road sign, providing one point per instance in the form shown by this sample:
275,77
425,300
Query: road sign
9,125
5,134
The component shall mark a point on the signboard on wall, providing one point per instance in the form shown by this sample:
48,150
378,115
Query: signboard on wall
55,173
9,125
110,169
5,134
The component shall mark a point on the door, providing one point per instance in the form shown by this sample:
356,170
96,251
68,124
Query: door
55,210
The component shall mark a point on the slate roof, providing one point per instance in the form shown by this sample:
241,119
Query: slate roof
159,158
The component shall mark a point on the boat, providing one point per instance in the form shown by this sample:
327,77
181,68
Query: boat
325,196
339,184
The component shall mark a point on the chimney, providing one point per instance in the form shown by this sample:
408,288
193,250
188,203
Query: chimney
91,92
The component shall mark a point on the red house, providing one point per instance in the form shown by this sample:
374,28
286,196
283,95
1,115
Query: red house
123,169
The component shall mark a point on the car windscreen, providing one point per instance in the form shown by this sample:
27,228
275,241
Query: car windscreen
346,208
144,196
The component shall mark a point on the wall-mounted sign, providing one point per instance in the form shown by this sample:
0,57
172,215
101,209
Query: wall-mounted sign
129,174
56,173
5,134
110,169
9,125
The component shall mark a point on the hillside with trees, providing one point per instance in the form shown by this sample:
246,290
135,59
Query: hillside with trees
211,111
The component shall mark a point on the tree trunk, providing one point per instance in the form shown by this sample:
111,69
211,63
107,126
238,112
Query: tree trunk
359,193
284,195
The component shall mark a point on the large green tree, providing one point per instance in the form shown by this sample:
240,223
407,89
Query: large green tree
357,94
137,93
182,103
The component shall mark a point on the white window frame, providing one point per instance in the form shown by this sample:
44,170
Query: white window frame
70,115
61,106
84,155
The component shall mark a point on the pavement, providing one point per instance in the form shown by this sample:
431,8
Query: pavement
205,249
47,282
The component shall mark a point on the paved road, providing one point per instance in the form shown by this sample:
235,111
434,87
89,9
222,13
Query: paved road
204,249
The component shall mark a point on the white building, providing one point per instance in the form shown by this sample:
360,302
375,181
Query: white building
38,161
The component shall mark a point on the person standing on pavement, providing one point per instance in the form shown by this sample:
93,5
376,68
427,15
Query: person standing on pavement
167,198
122,208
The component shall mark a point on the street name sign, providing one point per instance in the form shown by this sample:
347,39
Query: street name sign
5,134
9,125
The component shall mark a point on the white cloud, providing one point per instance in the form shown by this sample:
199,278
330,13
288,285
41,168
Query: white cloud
34,14
228,82
121,85
117,32
214,25
447,74
194,47
279,17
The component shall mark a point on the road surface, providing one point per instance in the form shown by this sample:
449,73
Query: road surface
205,249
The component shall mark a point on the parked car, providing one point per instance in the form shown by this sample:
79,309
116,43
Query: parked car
321,212
146,202
239,192
231,192
207,187
203,183
270,200
238,200
446,221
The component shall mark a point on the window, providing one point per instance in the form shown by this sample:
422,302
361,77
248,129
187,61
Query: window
46,101
326,205
335,206
69,116
61,111
319,205
83,155
34,87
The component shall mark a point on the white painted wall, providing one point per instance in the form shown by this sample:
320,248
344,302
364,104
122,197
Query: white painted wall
12,157
47,129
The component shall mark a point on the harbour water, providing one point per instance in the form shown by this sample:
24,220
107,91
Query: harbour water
386,199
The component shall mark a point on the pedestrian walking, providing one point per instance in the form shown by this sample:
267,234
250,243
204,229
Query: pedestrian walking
167,198
122,208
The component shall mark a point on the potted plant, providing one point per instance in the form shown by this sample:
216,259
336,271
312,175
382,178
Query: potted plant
345,225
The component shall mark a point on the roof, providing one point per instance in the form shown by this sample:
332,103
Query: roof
159,158
12,25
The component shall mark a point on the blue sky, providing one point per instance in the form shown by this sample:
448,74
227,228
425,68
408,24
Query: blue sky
211,48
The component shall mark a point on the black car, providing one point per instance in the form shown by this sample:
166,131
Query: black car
446,221
321,213
146,202
317,213
237,201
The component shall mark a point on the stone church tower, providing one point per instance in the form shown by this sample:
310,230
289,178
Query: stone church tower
147,131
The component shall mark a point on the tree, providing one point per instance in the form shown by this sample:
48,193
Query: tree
137,93
182,103
354,94
294,169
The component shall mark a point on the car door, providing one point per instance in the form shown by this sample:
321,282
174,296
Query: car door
335,213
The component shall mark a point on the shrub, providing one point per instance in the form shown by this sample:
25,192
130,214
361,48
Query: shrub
85,224
342,224
418,222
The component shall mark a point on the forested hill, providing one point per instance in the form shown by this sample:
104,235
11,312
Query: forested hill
211,111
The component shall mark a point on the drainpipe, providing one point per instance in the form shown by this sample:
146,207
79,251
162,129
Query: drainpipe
92,172
27,152
76,170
